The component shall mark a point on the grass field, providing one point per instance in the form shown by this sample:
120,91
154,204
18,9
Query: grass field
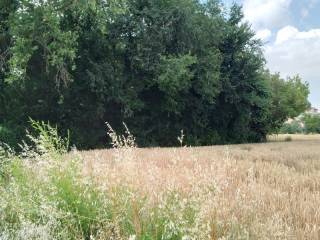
295,137
250,191
259,191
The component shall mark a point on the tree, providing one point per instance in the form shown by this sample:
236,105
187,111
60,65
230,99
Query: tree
8,132
160,66
289,98
312,123
242,107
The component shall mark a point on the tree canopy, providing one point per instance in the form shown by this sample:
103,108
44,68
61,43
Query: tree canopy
289,98
160,66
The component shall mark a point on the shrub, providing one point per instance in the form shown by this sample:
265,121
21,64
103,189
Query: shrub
288,139
45,195
312,123
292,128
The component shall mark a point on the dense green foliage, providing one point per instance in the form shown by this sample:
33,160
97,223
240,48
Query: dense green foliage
312,123
158,65
289,98
292,127
308,123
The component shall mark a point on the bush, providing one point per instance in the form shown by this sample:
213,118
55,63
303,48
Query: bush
288,139
292,128
312,123
43,196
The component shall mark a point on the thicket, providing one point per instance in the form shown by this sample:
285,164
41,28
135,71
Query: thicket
312,123
161,66
307,123
292,127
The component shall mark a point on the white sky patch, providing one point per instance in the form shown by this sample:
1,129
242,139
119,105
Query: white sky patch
267,13
291,51
286,33
264,34
297,52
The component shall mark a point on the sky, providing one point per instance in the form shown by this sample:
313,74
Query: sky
290,30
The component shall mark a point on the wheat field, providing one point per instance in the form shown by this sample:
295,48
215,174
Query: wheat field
250,191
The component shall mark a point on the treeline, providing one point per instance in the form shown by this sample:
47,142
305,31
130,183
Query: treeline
160,66
306,123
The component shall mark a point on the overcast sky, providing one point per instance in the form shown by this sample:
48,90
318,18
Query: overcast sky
290,30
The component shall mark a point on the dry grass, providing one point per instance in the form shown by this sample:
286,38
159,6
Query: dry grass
295,137
254,191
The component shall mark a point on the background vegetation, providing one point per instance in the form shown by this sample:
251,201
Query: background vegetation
312,123
160,66
305,123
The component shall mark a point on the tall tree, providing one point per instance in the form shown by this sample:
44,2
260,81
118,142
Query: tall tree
158,65
289,98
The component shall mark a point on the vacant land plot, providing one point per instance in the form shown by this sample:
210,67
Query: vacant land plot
254,191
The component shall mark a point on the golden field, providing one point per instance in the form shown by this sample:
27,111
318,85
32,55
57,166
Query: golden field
250,191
